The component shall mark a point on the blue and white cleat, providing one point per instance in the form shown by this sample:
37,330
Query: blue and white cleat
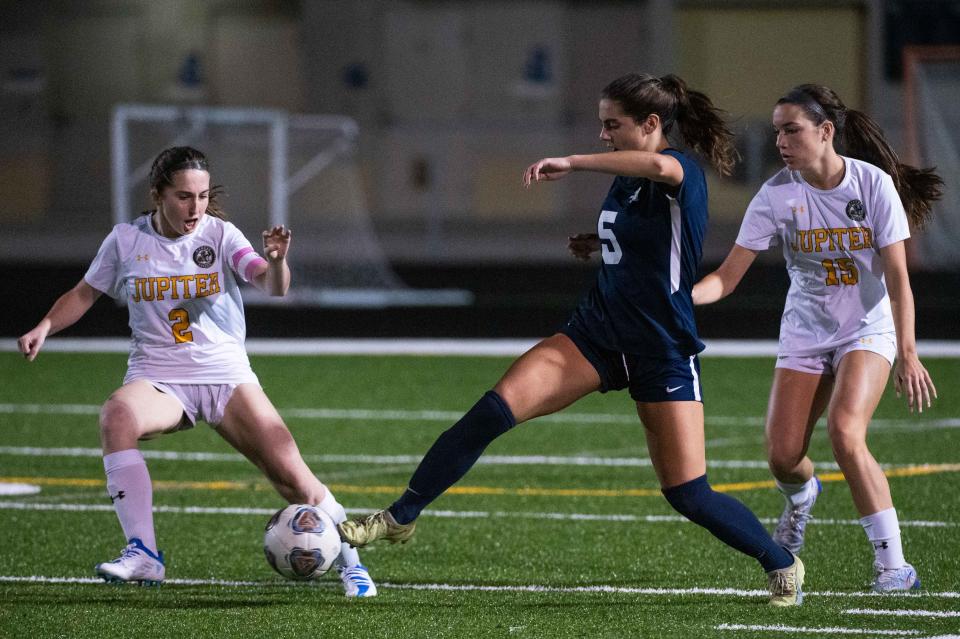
135,564
895,579
793,521
357,582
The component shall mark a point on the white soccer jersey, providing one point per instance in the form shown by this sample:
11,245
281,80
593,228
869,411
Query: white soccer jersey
186,314
831,241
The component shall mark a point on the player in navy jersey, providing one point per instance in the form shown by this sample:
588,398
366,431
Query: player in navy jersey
633,330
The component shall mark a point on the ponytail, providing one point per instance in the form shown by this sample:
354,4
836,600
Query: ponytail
918,188
702,126
862,139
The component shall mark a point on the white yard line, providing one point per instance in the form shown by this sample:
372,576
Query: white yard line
902,613
409,346
378,460
817,631
445,514
667,592
376,417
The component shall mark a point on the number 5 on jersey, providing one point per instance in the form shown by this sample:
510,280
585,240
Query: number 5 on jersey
609,247
181,326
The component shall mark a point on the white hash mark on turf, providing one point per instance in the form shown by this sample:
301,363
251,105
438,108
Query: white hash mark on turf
818,631
669,592
446,514
903,613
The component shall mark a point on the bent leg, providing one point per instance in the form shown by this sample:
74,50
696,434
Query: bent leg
797,400
253,426
676,441
548,377
861,378
133,412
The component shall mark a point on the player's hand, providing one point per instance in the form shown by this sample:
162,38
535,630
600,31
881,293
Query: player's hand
30,343
582,245
545,170
912,379
276,243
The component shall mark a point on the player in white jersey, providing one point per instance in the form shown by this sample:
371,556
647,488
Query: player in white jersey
849,315
176,267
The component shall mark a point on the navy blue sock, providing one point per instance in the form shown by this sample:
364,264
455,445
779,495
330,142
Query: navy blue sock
453,454
729,520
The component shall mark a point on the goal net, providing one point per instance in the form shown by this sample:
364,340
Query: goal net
277,168
932,132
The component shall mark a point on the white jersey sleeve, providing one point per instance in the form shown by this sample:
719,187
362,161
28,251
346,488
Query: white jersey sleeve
242,257
758,231
886,213
103,273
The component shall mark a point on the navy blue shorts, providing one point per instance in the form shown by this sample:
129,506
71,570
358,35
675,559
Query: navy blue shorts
649,379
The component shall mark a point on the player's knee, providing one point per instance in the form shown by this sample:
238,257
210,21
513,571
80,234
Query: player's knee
846,442
783,462
689,498
117,416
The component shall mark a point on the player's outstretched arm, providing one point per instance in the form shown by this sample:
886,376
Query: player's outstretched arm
68,308
274,278
909,375
725,279
646,164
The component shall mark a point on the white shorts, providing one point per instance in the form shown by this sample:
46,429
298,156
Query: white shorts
199,401
826,363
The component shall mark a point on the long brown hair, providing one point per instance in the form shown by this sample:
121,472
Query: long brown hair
180,158
863,139
702,125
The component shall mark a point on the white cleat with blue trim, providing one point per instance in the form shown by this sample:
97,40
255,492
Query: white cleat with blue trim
136,563
895,579
356,581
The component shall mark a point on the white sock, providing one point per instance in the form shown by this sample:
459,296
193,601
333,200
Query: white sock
796,494
883,531
130,490
348,555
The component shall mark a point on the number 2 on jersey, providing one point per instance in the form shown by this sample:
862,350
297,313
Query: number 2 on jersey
841,270
181,326
609,247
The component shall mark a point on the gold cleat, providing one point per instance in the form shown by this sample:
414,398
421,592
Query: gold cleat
786,584
380,525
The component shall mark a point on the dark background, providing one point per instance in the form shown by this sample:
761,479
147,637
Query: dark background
516,300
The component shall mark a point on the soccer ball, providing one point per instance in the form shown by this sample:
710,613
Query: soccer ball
301,542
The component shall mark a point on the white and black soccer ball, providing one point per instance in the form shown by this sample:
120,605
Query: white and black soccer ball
301,542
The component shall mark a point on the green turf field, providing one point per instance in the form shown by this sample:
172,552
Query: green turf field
562,533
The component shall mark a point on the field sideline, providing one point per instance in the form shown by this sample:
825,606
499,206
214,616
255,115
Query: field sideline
559,532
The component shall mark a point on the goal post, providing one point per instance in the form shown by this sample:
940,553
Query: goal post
931,125
301,171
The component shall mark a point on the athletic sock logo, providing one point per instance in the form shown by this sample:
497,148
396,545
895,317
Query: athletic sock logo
880,545
120,495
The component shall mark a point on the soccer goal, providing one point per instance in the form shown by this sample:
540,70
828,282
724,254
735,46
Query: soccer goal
932,135
302,171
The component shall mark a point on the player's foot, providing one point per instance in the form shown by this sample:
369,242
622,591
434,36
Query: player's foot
895,579
357,582
136,563
380,525
786,584
793,521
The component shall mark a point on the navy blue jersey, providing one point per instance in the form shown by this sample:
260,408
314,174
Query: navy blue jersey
652,242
